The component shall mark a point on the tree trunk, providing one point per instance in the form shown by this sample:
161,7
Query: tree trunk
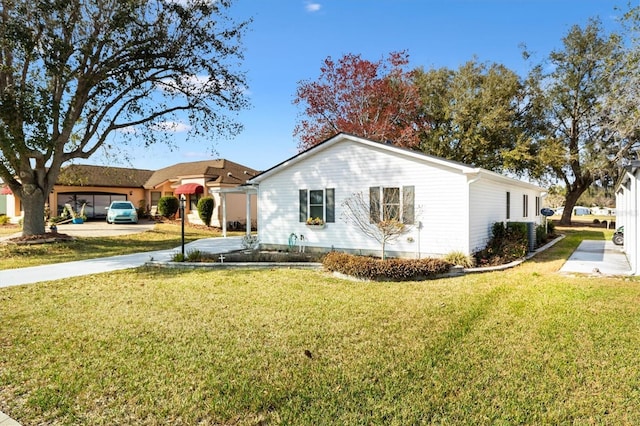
570,201
33,207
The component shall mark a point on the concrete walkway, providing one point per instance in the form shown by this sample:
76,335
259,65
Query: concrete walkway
597,258
12,277
7,421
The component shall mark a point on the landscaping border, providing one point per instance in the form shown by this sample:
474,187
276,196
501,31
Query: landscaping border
455,271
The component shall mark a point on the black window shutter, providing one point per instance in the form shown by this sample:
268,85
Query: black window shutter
408,208
374,204
303,205
330,198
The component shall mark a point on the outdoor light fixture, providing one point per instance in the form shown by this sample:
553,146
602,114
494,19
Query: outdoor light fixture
183,201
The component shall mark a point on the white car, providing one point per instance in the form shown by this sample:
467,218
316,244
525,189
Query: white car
122,211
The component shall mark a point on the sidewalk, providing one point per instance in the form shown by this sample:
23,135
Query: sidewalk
597,258
12,277
7,421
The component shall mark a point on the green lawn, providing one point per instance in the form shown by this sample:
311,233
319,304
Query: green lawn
156,346
163,236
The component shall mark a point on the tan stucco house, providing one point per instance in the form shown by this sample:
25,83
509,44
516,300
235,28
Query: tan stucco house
97,186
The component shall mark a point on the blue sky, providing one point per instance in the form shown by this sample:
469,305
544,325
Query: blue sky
289,39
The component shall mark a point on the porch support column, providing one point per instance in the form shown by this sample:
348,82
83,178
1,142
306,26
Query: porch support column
223,200
248,195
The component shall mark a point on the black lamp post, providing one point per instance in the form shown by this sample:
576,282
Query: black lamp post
183,201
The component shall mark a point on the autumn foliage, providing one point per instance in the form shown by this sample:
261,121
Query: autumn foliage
376,100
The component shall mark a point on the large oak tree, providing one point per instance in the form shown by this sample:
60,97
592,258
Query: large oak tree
591,125
376,100
478,114
73,72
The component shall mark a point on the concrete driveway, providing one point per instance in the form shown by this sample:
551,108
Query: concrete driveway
100,228
597,258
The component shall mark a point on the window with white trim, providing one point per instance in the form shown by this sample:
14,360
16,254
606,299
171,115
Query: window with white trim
538,206
508,205
387,203
525,205
317,203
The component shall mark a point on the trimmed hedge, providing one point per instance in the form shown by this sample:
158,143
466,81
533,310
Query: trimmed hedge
389,269
205,210
168,206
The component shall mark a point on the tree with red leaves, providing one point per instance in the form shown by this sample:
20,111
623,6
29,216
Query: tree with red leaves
376,100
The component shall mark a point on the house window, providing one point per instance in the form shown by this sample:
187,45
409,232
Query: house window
508,205
317,203
525,205
537,206
155,197
392,203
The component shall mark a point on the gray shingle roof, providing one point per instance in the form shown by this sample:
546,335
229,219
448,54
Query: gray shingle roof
216,172
88,175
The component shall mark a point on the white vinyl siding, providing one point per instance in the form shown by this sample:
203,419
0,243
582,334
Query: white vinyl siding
349,168
450,213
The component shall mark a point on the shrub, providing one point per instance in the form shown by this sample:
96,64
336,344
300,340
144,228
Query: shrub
190,256
541,235
250,242
508,243
168,206
551,227
143,211
205,209
4,219
178,257
390,269
461,259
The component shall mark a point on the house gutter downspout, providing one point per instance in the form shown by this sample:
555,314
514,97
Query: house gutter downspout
472,177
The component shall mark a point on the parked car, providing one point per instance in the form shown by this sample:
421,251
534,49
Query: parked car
122,211
618,236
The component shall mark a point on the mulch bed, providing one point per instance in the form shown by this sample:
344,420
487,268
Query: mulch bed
47,237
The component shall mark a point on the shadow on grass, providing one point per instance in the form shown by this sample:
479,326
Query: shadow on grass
161,238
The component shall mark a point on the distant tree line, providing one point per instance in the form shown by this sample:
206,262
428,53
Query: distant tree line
573,120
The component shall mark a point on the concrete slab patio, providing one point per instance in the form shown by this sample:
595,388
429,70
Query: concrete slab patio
597,258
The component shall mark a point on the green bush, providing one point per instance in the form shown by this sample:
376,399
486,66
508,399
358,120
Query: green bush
168,206
541,235
143,211
389,269
508,243
461,259
4,219
205,209
193,255
551,227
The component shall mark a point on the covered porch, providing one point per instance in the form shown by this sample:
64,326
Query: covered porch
248,191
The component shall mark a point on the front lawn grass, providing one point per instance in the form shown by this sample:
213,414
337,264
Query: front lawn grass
162,237
158,346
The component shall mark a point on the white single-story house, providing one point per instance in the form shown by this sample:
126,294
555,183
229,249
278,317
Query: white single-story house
627,205
448,206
